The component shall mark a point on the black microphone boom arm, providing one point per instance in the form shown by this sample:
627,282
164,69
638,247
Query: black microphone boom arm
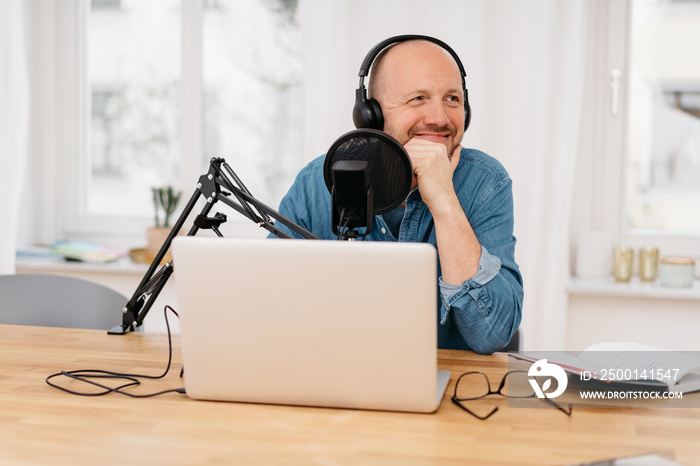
220,183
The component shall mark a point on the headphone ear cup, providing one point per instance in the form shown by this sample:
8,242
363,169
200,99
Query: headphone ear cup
467,110
467,115
367,113
378,116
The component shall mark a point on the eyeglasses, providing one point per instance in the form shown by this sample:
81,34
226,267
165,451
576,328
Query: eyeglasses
476,385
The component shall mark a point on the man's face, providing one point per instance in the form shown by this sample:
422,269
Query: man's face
420,92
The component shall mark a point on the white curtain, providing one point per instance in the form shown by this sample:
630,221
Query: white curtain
524,63
14,115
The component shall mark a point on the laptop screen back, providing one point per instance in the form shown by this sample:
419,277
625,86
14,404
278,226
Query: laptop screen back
302,322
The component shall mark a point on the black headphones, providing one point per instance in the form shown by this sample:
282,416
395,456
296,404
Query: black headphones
367,113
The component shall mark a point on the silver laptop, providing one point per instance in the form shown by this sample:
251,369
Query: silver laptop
309,322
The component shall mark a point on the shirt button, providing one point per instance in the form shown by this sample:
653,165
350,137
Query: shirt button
383,230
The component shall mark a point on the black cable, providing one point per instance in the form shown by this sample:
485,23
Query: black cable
344,225
154,282
84,375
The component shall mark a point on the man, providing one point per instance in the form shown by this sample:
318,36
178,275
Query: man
463,202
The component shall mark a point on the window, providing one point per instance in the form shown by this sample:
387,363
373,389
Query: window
639,173
133,63
663,150
252,93
168,84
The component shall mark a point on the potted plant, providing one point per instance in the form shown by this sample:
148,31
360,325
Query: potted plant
165,201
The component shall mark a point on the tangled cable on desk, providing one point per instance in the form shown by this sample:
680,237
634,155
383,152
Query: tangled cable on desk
86,375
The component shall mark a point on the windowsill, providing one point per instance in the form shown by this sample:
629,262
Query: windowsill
46,263
606,286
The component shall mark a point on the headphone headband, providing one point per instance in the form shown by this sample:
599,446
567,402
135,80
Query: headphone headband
372,55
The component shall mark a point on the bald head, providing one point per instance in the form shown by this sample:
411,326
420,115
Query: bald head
402,54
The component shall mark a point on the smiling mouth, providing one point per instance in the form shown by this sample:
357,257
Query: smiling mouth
437,137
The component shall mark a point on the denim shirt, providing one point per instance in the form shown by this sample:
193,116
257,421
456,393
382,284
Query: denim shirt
482,313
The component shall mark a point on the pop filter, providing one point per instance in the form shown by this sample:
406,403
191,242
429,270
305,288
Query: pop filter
389,168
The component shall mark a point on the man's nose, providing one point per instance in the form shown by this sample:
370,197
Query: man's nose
436,114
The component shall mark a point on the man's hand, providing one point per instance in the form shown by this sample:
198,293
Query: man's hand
458,247
432,171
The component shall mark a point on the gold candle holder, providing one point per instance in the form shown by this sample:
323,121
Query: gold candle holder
622,263
648,264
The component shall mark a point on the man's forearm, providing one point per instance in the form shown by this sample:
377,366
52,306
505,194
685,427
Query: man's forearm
458,246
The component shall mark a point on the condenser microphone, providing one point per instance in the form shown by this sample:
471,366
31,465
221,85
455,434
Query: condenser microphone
368,173
351,196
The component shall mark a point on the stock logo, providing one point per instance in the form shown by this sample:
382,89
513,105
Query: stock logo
542,368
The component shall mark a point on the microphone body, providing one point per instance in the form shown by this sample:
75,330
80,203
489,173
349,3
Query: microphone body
352,200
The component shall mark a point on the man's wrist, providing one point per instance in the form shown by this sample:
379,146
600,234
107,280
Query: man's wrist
447,209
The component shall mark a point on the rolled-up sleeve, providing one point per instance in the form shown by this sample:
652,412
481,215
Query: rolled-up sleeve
489,266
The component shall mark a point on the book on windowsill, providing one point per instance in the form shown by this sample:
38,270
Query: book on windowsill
84,251
628,363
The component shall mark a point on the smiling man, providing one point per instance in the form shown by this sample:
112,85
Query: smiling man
460,201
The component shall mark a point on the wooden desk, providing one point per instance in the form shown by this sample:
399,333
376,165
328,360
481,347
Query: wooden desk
42,425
